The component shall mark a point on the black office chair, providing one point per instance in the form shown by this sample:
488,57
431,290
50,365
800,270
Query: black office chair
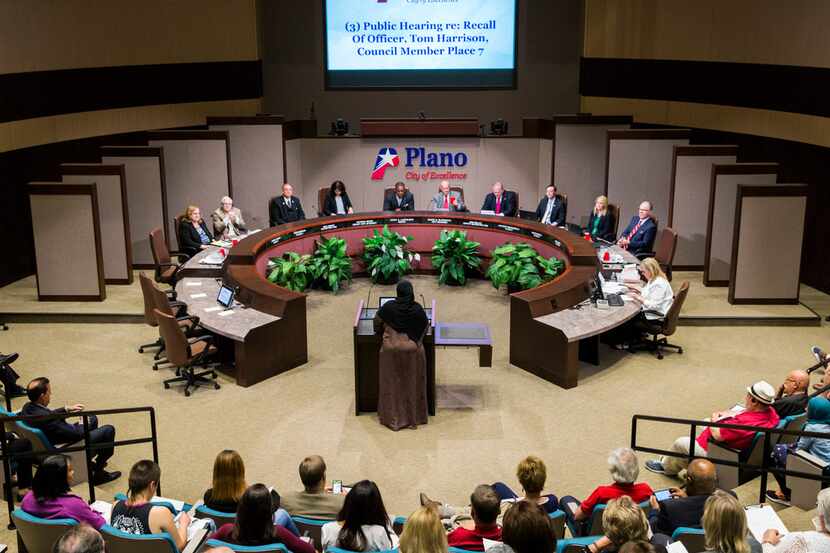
665,327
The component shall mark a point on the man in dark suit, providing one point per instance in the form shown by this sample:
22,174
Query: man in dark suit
638,236
551,210
286,208
685,508
501,201
399,200
60,432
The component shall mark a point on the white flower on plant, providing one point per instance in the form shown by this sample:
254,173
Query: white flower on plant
417,257
383,248
399,251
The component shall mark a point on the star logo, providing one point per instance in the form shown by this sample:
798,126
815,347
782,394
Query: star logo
387,157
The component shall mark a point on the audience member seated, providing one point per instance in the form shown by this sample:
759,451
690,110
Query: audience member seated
362,524
315,501
639,546
814,541
791,398
638,236
551,210
685,508
623,521
286,208
227,219
423,533
136,515
59,432
655,299
400,199
229,485
82,538
50,497
624,468
525,529
725,526
23,448
757,412
485,508
193,232
601,221
532,474
501,201
446,199
337,200
255,524
818,420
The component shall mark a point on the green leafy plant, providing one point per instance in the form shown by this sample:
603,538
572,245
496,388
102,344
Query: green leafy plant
292,270
452,255
330,265
387,256
519,266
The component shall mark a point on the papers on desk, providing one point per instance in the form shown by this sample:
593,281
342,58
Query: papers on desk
197,296
761,518
609,287
214,308
193,283
225,313
213,258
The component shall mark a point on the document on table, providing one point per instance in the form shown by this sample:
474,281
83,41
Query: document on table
761,518
193,283
225,313
214,308
197,296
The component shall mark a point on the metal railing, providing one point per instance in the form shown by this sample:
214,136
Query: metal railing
6,457
767,433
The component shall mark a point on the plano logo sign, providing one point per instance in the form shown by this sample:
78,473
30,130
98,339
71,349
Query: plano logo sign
421,164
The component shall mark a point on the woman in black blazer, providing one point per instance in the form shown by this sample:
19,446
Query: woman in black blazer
193,232
601,222
330,206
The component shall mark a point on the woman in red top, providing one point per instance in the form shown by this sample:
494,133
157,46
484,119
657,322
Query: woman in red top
255,524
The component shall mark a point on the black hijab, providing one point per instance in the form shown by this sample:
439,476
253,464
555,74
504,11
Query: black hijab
404,314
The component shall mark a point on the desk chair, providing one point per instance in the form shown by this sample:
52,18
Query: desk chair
311,527
162,258
614,209
186,353
564,199
42,445
321,200
692,538
219,517
149,317
666,326
40,534
162,302
665,246
121,542
460,190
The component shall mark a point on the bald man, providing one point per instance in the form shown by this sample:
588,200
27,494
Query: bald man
791,398
685,508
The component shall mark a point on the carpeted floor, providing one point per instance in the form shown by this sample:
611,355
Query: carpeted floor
488,418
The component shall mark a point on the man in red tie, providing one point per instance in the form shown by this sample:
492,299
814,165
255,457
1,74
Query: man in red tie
500,201
446,199
638,236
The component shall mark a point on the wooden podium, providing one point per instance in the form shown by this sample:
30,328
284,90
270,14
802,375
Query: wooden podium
366,350
420,127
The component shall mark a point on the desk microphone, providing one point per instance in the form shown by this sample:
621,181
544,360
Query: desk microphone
604,241
421,116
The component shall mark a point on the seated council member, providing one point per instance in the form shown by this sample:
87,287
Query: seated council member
227,219
655,300
337,200
551,211
446,199
286,208
638,236
601,221
399,199
402,376
500,201
193,231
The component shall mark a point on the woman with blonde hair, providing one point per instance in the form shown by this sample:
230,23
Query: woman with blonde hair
601,222
229,485
724,525
623,521
423,533
655,299
531,474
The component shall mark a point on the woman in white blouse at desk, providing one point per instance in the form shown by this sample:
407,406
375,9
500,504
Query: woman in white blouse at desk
655,299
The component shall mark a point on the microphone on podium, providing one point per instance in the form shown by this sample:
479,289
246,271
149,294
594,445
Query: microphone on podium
421,116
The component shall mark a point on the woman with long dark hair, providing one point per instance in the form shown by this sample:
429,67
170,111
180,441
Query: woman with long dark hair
51,498
362,524
255,523
337,201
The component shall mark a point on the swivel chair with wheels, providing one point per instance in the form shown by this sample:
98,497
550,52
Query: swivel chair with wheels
665,327
186,354
166,270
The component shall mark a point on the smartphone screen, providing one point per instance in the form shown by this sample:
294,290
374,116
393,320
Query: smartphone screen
662,495
337,487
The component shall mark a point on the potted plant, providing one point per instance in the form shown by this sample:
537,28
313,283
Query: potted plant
520,267
386,256
293,271
453,255
330,265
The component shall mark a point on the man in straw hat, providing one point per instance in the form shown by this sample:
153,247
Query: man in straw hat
757,411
